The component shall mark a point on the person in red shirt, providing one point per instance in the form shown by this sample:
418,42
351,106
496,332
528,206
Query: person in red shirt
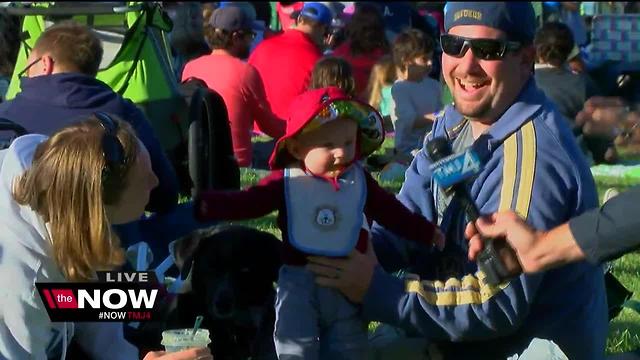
325,200
366,43
285,61
285,10
240,85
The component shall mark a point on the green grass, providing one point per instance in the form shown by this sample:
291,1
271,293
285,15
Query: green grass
624,330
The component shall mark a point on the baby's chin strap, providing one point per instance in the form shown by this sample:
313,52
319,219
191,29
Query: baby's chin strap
331,180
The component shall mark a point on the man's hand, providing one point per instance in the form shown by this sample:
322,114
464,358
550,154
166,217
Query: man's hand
514,240
535,250
351,275
189,354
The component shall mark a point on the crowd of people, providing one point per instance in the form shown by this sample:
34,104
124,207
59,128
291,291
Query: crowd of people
326,82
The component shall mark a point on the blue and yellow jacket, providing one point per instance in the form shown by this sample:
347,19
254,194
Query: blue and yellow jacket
533,166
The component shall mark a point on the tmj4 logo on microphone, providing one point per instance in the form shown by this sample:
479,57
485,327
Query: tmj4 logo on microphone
456,168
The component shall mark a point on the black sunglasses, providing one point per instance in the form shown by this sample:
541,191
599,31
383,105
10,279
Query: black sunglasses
483,49
111,147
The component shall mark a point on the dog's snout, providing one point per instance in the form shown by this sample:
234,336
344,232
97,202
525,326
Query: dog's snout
223,303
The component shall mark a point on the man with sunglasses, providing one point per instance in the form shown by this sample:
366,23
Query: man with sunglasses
230,33
531,164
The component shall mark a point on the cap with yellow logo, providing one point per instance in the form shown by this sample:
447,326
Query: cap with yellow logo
516,18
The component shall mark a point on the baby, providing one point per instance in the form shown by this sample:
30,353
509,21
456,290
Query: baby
325,200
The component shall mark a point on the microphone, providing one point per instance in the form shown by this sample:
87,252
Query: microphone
450,171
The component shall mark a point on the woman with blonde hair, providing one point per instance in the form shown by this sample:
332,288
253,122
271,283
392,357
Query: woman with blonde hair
59,197
383,75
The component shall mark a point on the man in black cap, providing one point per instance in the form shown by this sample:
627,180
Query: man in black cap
530,164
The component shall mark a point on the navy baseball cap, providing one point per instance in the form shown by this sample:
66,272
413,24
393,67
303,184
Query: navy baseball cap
230,18
516,18
316,11
249,11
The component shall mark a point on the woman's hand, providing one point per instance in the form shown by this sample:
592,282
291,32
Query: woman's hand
351,275
189,354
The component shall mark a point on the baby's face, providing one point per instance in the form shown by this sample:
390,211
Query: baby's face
328,149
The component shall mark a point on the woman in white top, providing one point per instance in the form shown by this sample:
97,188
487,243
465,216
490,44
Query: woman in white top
59,197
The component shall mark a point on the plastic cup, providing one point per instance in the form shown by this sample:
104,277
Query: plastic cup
180,339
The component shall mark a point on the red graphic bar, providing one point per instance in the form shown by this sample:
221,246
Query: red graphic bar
47,295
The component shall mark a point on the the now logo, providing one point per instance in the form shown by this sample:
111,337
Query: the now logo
131,293
117,299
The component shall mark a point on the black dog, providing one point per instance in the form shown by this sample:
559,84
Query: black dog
233,272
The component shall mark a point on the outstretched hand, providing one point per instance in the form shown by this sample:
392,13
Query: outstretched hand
514,239
351,275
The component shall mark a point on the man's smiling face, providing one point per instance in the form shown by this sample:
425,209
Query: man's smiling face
484,89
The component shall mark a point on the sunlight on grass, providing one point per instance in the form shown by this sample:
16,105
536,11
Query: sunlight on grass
624,330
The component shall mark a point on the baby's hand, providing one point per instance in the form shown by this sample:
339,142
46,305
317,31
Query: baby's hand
438,239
